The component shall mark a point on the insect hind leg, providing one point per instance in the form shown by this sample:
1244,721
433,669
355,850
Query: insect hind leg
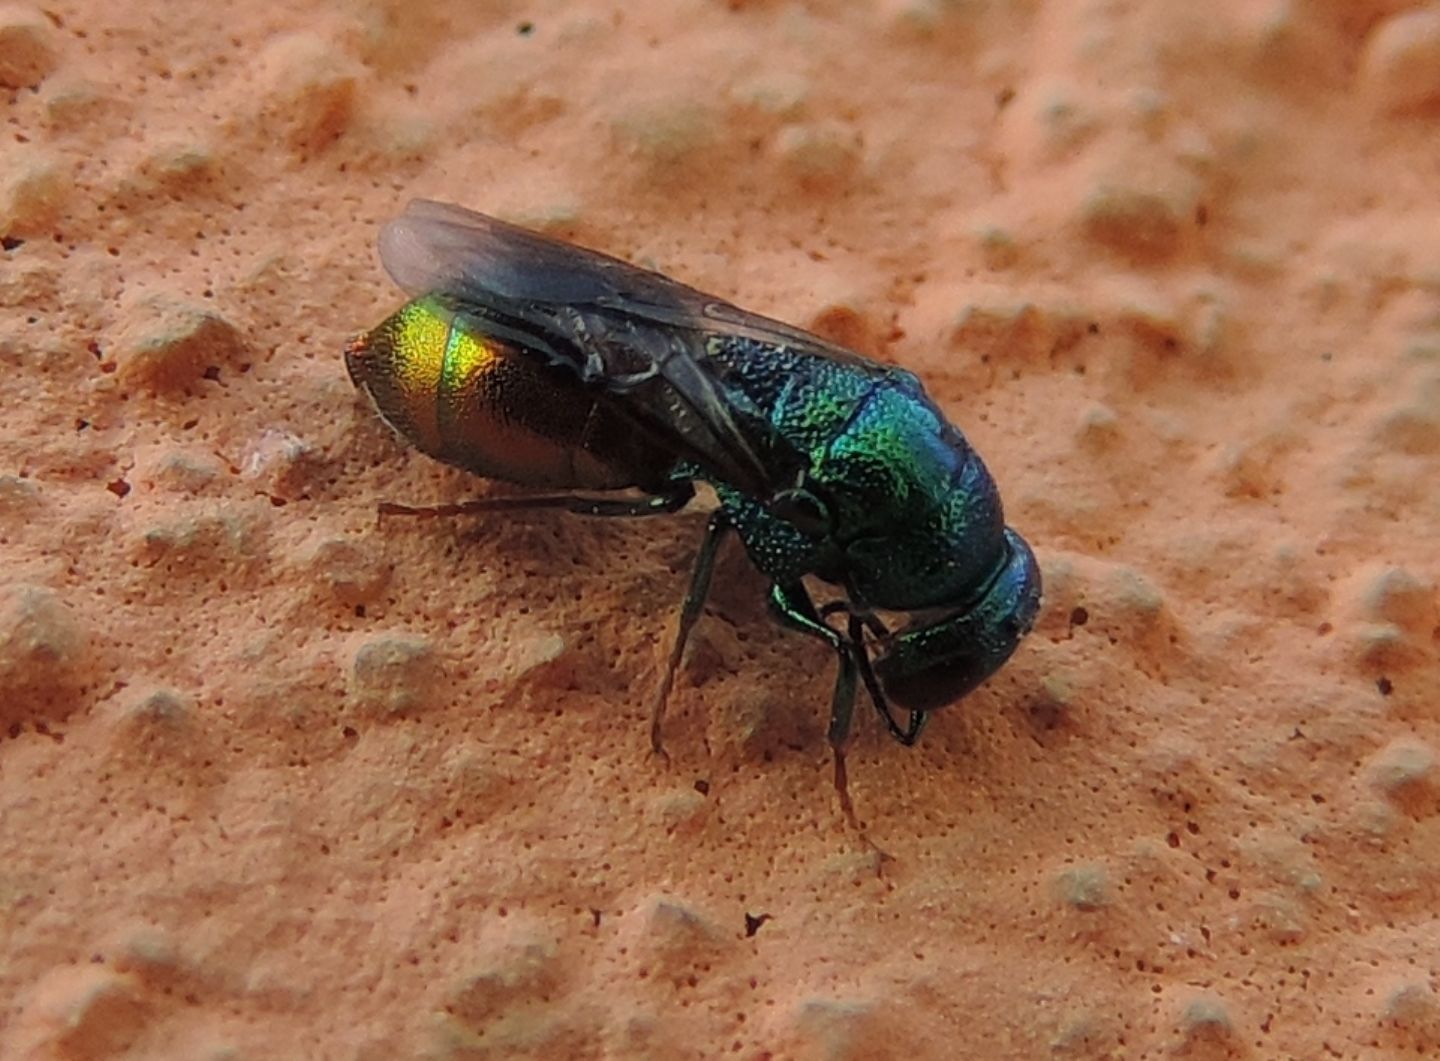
676,495
673,498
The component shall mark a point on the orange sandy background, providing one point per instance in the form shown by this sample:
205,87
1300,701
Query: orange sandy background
279,780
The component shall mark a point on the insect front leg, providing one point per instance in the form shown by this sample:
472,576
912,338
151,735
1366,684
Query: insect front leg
715,531
793,607
911,732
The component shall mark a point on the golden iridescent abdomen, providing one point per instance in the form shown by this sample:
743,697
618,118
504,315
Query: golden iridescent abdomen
482,404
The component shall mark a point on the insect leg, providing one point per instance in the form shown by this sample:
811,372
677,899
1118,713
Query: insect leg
911,733
675,497
715,531
793,607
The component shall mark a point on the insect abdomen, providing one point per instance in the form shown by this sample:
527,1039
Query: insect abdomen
493,409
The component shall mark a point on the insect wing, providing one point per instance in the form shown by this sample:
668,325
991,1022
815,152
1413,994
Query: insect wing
633,332
442,247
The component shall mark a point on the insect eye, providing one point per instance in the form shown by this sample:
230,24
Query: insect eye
803,511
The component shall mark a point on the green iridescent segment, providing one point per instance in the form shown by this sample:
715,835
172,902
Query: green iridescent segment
882,456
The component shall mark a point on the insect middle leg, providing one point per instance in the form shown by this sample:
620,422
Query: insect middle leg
700,575
793,607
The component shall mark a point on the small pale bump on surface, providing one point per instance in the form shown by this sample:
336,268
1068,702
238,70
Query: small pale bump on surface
778,94
1007,329
1286,860
842,1024
672,924
156,710
1253,467
1376,646
1058,695
1403,768
178,166
535,652
166,343
34,186
519,966
1085,1035
848,322
666,133
1400,63
1098,427
1397,595
999,247
1124,603
1206,1018
19,497
555,215
821,156
679,808
401,135
1140,225
201,542
28,52
476,780
305,88
1413,1009
26,283
835,1029
176,469
160,732
84,1012
1054,121
147,954
44,649
281,463
1411,425
70,100
347,570
1376,821
674,941
1283,920
1084,887
392,675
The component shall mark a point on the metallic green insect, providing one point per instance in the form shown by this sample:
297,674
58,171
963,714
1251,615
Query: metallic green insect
540,363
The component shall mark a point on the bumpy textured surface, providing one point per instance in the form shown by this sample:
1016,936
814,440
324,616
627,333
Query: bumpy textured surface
277,781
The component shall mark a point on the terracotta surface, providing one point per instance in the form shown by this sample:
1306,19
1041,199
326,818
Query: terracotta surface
280,780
